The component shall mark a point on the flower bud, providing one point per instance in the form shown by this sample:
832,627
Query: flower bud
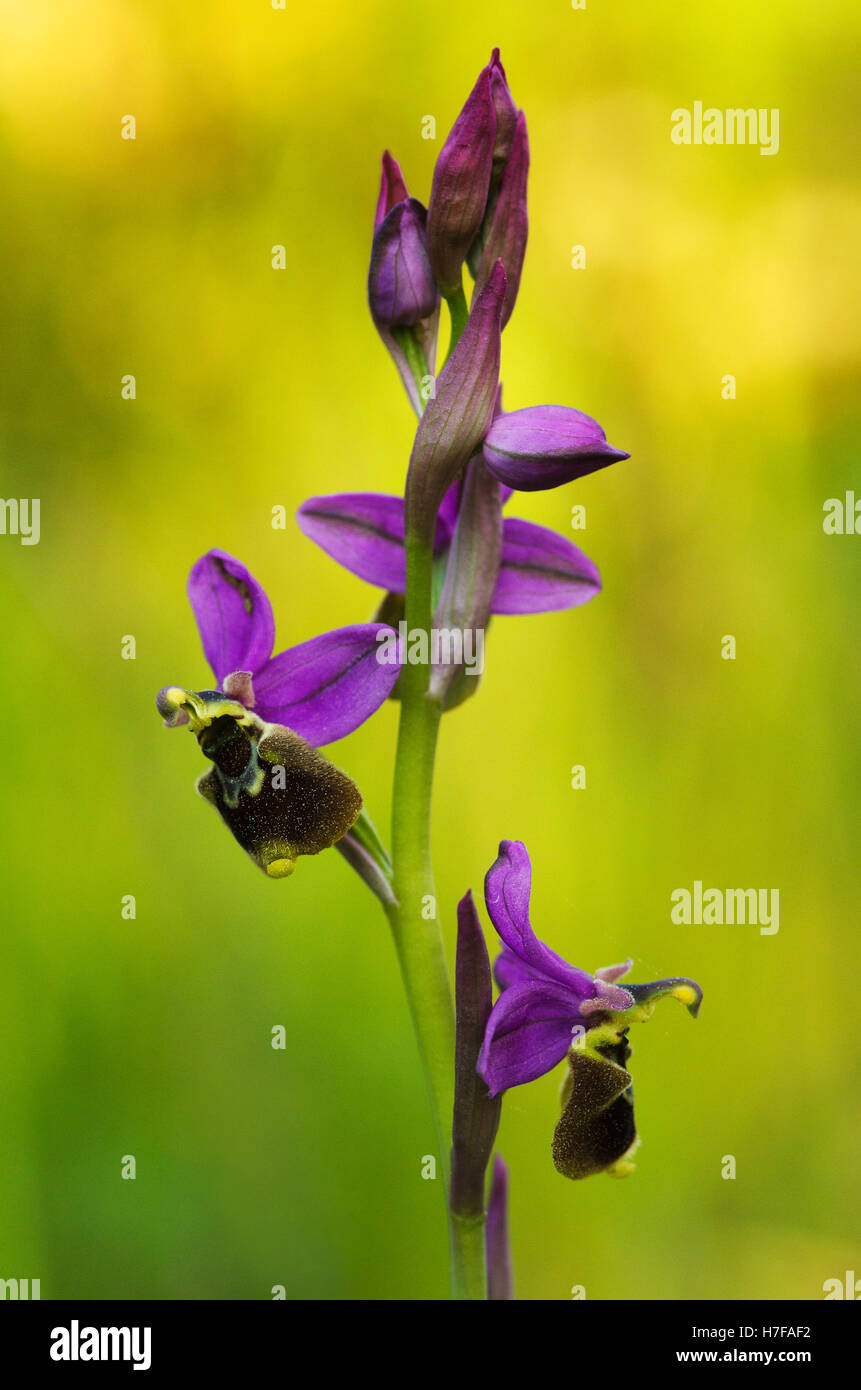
544,446
461,183
401,288
505,227
400,282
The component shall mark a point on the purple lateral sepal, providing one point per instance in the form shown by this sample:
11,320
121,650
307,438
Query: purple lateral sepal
364,532
500,1284
326,688
529,1032
544,446
541,571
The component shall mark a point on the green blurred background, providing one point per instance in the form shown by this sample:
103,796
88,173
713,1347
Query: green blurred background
257,388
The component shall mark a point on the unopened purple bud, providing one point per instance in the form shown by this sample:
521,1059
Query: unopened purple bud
393,188
401,288
461,182
506,116
505,228
544,446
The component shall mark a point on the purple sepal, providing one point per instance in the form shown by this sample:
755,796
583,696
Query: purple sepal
529,1032
364,532
326,688
500,1284
507,889
541,571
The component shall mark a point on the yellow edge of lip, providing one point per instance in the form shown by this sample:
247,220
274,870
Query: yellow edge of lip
621,1169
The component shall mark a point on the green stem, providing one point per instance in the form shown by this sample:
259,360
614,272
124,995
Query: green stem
459,311
416,360
413,915
469,1262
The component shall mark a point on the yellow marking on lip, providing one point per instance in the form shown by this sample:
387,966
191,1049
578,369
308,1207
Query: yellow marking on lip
622,1168
684,994
280,868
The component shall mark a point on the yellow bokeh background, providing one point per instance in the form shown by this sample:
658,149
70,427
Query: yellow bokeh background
257,388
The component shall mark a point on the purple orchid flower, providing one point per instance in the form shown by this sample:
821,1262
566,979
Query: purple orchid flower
278,795
322,689
549,1010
